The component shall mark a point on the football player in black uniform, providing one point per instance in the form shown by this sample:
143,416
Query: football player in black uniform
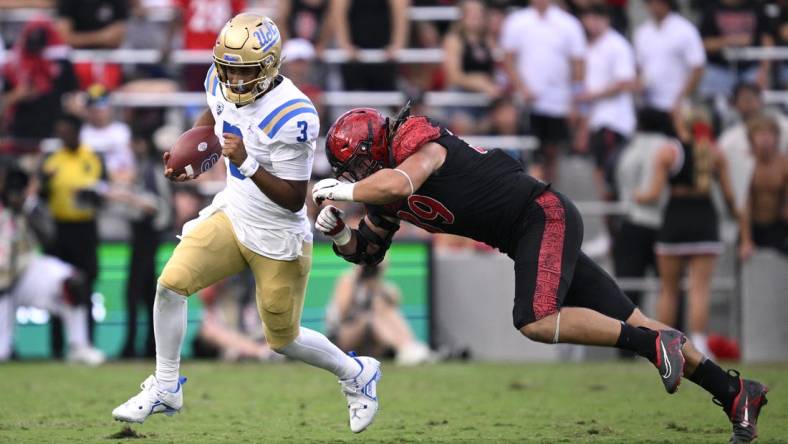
409,168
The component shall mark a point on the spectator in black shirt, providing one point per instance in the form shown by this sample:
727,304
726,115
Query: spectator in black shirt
94,24
37,76
149,203
370,24
305,19
733,24
468,59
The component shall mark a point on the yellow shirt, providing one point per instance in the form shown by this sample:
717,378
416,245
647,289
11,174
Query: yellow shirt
70,171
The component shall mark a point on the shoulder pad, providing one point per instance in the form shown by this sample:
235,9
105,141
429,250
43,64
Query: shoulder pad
211,83
294,121
411,135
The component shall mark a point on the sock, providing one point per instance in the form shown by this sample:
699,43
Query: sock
640,340
169,327
716,381
315,349
75,320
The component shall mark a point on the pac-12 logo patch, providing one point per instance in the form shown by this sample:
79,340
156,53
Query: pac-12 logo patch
219,108
209,162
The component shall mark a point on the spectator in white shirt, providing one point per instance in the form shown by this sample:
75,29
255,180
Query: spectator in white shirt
610,79
545,48
110,139
670,57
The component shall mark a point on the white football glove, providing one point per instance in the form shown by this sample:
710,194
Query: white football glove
332,189
330,223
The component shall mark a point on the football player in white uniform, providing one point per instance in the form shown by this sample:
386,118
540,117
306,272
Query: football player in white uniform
269,130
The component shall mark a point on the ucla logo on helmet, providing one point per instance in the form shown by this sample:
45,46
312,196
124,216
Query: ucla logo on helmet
267,35
209,162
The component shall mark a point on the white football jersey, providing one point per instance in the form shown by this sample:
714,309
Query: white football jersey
279,130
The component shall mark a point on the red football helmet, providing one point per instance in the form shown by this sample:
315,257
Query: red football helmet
357,144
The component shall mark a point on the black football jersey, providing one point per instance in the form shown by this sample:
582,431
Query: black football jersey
476,193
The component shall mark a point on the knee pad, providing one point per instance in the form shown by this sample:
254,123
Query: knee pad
276,311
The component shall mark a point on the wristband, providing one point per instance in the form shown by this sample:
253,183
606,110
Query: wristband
343,237
249,166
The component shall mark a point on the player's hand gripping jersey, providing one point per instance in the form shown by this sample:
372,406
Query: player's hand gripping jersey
476,193
279,129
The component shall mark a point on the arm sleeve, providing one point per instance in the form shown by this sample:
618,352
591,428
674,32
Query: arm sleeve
637,48
625,63
694,53
509,41
292,161
577,40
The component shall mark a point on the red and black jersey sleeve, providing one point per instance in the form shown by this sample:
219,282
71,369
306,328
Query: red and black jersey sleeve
412,134
476,193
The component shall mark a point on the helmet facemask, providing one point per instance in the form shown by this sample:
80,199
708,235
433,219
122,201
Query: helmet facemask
242,93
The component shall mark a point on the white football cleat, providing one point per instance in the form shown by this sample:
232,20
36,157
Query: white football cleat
86,355
152,399
361,393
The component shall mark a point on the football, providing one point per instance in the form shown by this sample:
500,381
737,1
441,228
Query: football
195,151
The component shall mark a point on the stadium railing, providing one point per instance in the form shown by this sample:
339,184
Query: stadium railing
335,55
416,13
191,56
328,98
756,53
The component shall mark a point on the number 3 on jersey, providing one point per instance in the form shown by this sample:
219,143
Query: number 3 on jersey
302,125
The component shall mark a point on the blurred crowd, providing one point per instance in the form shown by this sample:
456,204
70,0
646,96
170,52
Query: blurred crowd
635,88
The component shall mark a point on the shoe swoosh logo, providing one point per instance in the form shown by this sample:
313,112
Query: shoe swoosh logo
746,422
668,367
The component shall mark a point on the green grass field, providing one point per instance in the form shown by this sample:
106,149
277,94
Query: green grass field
606,402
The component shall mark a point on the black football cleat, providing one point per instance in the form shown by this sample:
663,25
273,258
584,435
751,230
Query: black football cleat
745,409
669,359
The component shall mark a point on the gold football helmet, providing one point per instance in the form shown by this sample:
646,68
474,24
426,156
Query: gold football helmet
247,42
